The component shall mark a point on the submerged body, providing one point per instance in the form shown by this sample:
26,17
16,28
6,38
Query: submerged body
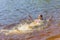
37,24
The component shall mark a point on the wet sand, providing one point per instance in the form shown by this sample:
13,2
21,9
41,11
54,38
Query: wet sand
56,37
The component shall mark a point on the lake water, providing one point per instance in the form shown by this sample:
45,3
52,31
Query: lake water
11,11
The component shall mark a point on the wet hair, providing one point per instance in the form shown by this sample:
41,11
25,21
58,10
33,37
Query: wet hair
41,17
